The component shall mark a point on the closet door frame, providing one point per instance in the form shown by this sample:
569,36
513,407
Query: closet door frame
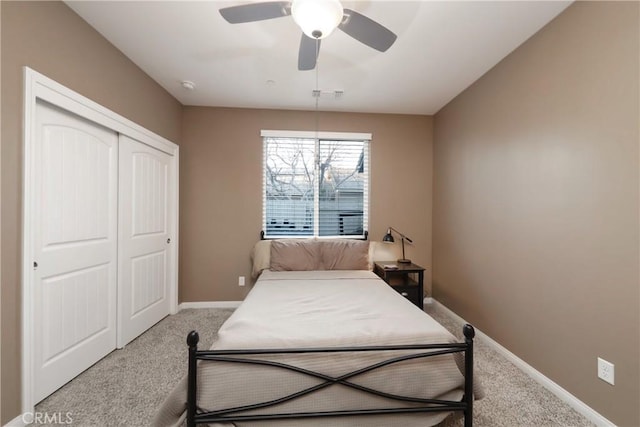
39,87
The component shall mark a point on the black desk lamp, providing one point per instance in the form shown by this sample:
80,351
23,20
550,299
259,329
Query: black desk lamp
389,238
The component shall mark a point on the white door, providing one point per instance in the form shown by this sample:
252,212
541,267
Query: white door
147,204
74,246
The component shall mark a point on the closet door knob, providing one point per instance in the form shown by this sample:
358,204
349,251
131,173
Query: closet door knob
169,240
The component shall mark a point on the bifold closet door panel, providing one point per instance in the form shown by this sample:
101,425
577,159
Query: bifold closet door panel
146,209
75,177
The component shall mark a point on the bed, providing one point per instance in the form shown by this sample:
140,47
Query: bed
330,346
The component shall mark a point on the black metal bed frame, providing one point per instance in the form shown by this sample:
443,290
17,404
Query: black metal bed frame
196,416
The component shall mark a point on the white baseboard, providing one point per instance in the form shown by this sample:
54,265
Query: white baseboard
209,304
577,404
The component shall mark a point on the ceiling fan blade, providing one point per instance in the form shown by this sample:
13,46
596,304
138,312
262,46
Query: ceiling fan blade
308,54
367,30
256,11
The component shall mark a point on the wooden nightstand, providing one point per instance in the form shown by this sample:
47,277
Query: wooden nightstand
407,279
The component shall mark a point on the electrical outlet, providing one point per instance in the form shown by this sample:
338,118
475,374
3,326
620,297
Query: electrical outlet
241,281
606,371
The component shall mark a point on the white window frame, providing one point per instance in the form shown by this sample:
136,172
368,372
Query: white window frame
319,135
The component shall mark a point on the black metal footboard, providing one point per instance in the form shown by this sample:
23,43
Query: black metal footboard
229,415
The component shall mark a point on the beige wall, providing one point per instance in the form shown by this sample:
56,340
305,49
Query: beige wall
53,40
536,218
221,184
536,187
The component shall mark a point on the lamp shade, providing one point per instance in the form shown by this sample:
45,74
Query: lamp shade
389,238
317,18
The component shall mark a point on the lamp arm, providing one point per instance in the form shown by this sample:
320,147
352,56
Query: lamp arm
401,235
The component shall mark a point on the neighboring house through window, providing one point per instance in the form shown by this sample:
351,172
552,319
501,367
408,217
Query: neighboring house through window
316,184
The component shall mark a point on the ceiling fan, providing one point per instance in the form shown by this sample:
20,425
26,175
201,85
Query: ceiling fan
317,19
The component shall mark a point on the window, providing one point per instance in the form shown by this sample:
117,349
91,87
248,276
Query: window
315,187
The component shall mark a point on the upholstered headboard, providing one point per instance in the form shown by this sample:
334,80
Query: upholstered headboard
318,254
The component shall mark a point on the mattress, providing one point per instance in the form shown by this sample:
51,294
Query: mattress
312,309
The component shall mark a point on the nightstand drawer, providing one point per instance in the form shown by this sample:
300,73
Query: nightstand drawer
409,292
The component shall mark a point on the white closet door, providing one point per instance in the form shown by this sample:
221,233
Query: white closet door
75,246
147,202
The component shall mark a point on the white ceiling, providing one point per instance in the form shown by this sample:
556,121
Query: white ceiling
442,48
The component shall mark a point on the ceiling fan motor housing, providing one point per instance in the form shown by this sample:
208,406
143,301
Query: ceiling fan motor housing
317,18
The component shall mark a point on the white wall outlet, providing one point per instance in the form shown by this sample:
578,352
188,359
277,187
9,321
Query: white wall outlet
606,371
241,281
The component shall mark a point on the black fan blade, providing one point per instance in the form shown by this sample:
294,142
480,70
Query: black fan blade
308,54
256,11
367,31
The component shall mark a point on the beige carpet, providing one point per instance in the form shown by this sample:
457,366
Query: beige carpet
126,387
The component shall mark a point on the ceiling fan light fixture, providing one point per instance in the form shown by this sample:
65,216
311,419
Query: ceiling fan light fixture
317,18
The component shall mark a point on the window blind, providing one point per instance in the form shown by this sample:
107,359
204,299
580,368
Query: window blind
315,186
